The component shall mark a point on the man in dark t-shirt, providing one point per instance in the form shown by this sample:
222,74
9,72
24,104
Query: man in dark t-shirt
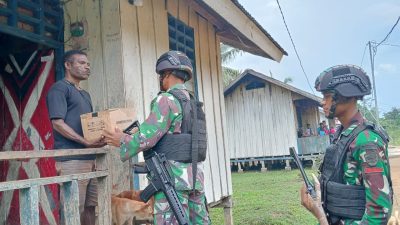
66,101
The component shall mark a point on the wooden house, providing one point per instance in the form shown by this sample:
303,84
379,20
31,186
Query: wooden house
263,116
123,39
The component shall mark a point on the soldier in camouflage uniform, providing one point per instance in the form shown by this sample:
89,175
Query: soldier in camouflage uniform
355,175
166,117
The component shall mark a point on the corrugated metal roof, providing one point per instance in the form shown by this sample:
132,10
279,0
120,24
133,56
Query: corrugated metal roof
249,74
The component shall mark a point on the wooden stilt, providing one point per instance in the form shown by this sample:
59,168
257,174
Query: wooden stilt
287,167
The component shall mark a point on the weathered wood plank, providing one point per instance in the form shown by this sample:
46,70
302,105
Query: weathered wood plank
29,205
222,115
172,7
147,53
183,11
20,184
160,27
112,54
12,155
148,59
104,191
132,66
209,107
70,205
275,133
194,23
221,163
131,58
97,81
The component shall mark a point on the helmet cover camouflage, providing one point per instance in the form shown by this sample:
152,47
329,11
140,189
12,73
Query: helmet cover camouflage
345,80
175,60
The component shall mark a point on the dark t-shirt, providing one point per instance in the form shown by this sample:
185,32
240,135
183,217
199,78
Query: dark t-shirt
65,101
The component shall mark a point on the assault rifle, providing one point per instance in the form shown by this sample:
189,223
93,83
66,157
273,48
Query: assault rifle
130,127
157,166
309,185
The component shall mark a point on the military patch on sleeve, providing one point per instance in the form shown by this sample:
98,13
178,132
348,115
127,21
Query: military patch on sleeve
371,155
373,170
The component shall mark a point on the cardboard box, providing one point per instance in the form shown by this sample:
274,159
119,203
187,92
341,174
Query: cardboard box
94,123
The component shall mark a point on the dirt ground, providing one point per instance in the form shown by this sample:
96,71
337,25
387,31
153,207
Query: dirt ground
394,158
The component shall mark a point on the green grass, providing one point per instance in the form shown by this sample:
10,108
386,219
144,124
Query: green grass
266,198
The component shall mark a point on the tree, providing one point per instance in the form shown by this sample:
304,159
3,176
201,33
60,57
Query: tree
393,115
391,123
228,54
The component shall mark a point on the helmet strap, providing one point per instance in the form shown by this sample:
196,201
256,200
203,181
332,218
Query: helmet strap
162,76
333,107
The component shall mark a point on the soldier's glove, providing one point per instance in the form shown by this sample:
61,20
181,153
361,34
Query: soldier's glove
314,205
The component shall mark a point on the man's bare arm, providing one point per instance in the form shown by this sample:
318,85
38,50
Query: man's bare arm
66,131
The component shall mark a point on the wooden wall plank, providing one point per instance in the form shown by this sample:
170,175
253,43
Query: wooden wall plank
148,57
112,55
223,116
208,103
147,53
132,69
172,7
194,23
96,83
111,86
183,11
266,117
160,27
131,61
216,106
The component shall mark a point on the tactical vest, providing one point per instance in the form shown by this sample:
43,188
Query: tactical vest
341,201
191,144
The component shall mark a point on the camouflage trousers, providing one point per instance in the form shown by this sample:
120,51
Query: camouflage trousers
192,202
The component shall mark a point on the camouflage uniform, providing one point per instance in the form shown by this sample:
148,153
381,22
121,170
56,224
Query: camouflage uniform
368,165
166,118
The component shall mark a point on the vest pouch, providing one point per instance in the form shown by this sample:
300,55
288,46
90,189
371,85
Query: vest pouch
330,161
345,201
202,139
177,147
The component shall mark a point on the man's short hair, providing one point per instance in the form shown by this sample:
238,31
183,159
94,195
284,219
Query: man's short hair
69,54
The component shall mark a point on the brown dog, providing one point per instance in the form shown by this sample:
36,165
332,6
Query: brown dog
394,219
127,208
132,195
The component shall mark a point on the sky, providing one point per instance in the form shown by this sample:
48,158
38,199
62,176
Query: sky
328,33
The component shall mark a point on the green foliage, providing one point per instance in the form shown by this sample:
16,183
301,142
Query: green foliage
390,120
391,123
228,54
229,75
266,198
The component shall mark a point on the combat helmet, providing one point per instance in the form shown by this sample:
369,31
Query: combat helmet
345,80
175,60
